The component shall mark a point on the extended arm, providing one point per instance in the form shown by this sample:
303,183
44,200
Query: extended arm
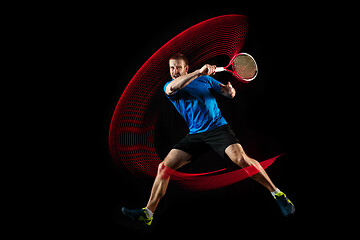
181,81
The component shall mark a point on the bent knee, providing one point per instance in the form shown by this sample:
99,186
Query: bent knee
244,161
240,161
163,171
161,168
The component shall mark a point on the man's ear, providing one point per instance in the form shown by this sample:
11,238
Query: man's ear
187,68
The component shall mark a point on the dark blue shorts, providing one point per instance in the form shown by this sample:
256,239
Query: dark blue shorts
218,139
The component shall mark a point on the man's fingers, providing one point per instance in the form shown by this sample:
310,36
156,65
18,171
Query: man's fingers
208,69
211,69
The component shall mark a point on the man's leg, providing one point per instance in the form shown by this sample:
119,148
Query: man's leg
237,154
174,160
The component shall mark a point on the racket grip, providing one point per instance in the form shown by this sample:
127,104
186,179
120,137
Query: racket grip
219,69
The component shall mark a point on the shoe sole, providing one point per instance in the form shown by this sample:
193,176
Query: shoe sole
123,210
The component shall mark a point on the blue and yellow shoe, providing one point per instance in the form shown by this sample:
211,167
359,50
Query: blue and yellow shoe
138,215
286,206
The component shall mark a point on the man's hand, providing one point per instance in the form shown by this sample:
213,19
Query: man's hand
208,70
227,90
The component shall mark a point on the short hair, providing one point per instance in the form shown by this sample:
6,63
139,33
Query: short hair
178,56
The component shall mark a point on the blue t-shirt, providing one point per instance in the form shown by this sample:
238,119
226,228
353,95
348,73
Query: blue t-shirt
197,104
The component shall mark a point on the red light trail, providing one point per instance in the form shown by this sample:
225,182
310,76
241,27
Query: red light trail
132,128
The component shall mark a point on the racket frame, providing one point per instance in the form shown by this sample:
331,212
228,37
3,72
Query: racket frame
244,80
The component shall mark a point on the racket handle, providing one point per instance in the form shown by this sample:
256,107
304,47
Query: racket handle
219,69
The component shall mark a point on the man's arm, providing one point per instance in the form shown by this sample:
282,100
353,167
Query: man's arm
182,81
227,90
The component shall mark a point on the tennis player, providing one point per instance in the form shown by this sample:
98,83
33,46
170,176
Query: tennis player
192,94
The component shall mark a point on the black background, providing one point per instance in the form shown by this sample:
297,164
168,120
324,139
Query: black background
100,48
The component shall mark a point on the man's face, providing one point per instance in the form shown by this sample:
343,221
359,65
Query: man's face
177,68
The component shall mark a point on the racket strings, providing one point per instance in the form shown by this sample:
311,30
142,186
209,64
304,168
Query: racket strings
245,66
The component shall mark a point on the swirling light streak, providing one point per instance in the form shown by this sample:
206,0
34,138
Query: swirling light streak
132,128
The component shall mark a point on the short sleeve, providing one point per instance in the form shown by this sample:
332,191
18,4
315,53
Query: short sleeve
165,87
214,84
169,96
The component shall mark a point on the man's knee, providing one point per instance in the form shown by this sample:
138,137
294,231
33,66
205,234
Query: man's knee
240,161
244,161
163,171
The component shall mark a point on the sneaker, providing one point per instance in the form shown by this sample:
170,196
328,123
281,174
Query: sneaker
286,206
138,215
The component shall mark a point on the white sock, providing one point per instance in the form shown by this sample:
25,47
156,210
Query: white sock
275,192
149,213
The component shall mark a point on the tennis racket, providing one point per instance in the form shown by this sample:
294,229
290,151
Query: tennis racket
244,67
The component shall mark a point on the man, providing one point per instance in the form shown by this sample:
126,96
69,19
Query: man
192,96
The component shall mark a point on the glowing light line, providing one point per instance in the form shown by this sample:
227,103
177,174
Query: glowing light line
132,128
